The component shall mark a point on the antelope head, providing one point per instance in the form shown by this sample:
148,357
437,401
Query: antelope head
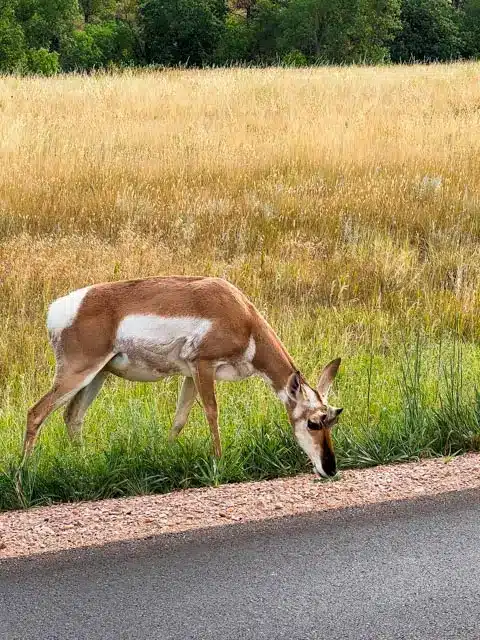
312,418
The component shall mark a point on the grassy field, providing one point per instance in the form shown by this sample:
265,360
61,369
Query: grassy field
344,202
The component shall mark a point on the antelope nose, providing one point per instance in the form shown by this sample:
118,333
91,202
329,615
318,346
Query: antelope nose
330,467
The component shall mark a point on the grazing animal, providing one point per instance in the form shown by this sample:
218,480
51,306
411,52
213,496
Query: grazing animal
202,328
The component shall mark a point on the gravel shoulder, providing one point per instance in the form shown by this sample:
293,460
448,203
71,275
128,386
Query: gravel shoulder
92,524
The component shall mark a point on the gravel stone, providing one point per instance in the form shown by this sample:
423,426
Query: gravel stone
92,524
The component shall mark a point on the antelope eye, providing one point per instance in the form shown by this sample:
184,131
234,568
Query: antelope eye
314,426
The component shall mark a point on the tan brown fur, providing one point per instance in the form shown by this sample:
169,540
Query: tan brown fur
107,304
85,349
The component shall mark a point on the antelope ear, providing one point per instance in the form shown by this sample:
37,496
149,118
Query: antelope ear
332,416
327,377
294,387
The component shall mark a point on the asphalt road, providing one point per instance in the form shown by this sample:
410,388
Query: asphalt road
405,570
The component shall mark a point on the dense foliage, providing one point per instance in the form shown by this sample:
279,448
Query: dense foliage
46,36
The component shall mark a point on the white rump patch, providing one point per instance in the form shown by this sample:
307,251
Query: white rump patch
63,311
160,331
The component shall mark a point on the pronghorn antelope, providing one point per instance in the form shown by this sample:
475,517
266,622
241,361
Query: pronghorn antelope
202,328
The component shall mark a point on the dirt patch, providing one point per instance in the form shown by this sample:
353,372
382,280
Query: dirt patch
88,524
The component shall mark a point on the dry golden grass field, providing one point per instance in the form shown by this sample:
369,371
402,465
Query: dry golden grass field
344,201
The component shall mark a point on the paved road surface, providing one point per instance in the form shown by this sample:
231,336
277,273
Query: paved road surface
405,570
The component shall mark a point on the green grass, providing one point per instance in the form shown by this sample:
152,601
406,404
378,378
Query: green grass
405,396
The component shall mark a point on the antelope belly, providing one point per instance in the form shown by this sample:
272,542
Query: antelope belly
229,372
139,370
122,366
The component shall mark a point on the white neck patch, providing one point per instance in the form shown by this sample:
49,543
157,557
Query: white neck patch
250,350
305,440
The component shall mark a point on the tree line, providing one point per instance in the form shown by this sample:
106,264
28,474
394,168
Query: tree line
48,36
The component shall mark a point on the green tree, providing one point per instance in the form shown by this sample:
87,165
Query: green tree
127,12
374,27
309,27
470,28
12,39
340,30
97,46
114,40
264,26
430,31
234,43
46,22
180,31
219,9
97,10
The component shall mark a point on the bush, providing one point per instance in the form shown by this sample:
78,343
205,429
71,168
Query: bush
294,58
43,62
98,46
114,40
80,53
